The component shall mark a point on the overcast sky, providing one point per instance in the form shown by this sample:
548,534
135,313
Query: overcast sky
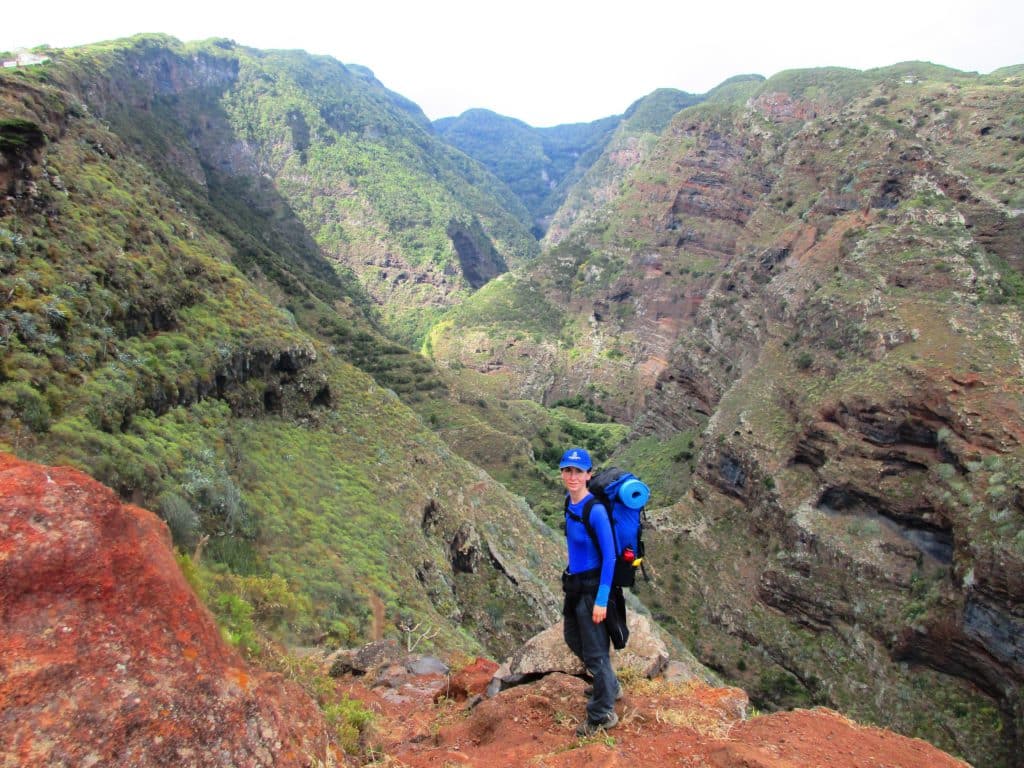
557,61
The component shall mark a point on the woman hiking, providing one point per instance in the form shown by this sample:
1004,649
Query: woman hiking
587,583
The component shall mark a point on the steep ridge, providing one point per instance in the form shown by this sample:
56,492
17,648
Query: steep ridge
325,152
807,294
635,136
543,166
194,350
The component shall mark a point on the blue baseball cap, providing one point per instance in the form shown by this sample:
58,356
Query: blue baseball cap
576,457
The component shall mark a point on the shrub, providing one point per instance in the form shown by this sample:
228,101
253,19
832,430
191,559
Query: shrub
216,496
180,517
237,554
234,615
349,719
273,602
26,403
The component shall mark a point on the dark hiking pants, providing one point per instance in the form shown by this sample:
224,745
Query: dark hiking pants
590,642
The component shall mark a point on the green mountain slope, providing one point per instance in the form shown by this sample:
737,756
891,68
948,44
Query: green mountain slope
305,140
172,325
537,164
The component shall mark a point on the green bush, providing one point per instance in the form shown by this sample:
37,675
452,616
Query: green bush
196,577
234,616
273,602
349,719
26,403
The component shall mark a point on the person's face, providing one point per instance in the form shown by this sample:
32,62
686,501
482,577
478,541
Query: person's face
575,480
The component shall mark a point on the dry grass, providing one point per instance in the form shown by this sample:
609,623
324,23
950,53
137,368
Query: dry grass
642,686
697,719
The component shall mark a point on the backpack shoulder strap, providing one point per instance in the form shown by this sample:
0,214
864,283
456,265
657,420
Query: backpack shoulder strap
585,518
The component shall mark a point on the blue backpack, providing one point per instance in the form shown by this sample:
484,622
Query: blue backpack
624,496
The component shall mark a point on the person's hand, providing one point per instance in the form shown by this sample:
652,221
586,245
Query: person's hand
600,612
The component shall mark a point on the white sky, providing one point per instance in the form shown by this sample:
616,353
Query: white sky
548,62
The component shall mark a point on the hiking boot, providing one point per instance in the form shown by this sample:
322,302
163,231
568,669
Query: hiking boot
589,691
589,727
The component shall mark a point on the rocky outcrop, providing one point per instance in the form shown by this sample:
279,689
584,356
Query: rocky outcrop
288,386
661,723
645,655
429,713
107,656
20,141
478,258
481,568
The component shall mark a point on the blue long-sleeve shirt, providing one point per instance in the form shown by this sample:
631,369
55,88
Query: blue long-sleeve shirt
583,555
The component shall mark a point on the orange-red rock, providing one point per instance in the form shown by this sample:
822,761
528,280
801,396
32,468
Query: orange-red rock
668,724
107,657
471,680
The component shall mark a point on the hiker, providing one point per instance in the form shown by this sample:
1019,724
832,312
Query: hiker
587,583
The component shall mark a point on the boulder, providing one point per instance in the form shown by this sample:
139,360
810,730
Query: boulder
427,665
472,680
368,658
382,658
645,654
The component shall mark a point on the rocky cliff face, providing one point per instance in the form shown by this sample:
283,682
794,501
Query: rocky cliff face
822,276
874,341
108,657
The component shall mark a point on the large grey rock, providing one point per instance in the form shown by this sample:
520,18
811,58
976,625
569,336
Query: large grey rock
427,665
646,654
360,661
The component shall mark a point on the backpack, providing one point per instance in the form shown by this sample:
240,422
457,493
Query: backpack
624,496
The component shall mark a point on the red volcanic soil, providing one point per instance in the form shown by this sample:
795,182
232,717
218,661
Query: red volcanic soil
661,724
